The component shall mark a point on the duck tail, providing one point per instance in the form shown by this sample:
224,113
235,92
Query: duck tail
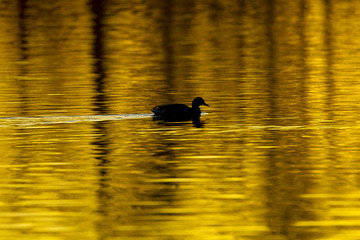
156,110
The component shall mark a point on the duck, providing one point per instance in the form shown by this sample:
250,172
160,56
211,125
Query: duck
179,112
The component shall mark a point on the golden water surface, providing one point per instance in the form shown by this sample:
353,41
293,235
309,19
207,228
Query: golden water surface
276,156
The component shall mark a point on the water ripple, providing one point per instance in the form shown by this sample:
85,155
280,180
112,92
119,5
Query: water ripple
30,121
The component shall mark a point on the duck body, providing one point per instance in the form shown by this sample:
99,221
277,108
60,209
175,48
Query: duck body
173,112
179,112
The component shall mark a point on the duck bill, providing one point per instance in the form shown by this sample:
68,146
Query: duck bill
207,105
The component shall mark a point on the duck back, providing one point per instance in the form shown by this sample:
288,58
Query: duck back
173,112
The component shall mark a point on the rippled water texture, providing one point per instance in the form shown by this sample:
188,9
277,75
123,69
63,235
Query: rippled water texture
276,156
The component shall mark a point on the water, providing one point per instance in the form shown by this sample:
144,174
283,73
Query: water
275,156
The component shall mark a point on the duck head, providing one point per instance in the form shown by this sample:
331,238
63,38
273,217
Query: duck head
198,101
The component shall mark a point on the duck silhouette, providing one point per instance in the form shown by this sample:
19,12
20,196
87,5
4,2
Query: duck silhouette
179,112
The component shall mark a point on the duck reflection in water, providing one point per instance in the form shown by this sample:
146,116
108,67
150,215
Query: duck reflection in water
180,112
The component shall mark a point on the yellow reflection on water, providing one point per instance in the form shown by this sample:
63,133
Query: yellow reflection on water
275,158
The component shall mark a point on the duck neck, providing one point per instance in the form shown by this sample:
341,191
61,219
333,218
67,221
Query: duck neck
196,110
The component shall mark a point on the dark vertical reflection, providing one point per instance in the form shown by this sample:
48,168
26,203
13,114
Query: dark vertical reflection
332,155
302,181
101,143
98,28
177,43
184,13
284,186
22,26
271,66
272,101
168,46
329,58
304,70
24,51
